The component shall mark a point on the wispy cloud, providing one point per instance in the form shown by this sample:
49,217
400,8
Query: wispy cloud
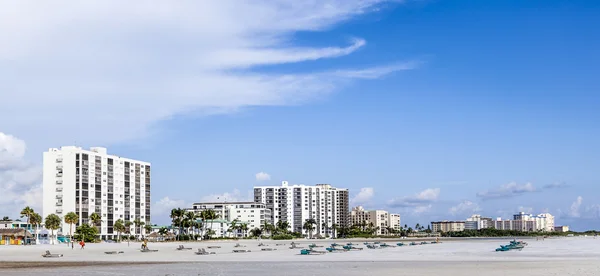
556,185
145,63
507,190
419,203
465,207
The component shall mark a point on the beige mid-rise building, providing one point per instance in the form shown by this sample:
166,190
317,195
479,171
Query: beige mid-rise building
447,226
381,219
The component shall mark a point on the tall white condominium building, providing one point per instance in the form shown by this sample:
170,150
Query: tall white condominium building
251,213
91,181
297,203
378,218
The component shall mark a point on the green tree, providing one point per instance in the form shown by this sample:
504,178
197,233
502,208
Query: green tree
128,230
27,212
309,226
36,221
177,219
5,218
163,231
86,233
148,229
119,226
335,228
71,218
256,232
283,227
96,221
52,222
244,228
138,225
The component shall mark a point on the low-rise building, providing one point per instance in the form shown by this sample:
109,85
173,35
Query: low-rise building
447,226
563,228
253,214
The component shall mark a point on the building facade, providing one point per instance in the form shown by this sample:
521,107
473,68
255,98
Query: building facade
526,222
477,222
447,226
395,222
378,218
92,181
563,228
251,213
295,204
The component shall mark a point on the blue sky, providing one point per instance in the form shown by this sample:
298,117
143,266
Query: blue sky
435,109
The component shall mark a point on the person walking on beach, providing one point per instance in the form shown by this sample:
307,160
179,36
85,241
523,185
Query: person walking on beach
82,243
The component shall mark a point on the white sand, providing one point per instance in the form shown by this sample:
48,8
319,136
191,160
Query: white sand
560,256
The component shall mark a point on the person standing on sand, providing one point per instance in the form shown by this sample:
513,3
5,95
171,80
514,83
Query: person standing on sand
82,243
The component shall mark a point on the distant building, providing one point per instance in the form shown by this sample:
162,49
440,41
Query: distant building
378,218
477,222
563,228
447,226
395,222
295,204
526,222
251,213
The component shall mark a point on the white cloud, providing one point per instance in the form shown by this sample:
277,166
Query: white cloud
364,196
528,210
420,202
20,182
236,195
466,207
163,207
507,190
575,206
263,176
147,62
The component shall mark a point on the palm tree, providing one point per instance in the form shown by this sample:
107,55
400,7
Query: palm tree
96,220
335,229
52,222
119,226
283,226
244,228
5,218
36,220
163,231
325,227
128,230
148,228
309,226
138,224
189,218
233,227
71,218
177,219
256,232
27,212
418,227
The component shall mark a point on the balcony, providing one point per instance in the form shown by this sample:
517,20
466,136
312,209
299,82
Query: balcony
59,166
59,204
59,181
59,160
59,174
59,189
59,196
59,211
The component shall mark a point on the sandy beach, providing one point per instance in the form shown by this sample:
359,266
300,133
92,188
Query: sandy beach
553,256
